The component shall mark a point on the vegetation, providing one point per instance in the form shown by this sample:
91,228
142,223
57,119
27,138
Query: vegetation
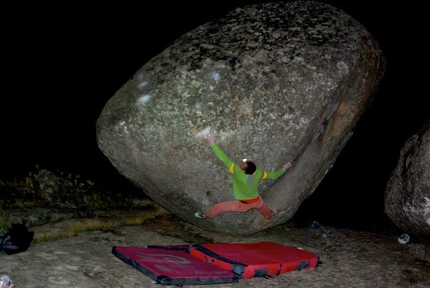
84,225
27,194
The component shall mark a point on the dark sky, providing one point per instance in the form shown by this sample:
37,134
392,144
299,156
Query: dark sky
61,63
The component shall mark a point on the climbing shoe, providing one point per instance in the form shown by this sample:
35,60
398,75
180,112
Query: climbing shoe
200,215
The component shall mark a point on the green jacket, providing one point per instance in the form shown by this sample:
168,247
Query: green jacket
245,186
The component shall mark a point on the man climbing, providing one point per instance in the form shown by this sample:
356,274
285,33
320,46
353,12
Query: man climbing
246,177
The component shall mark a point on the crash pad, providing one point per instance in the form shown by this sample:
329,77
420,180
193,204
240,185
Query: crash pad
215,263
172,266
259,259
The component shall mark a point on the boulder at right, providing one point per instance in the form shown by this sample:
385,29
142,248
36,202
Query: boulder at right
407,195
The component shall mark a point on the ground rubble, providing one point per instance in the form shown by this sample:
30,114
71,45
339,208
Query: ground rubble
349,258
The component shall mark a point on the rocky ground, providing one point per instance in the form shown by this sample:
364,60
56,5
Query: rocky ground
349,258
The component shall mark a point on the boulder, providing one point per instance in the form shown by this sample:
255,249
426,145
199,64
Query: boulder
407,195
275,82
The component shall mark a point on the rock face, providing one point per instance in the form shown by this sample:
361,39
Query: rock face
276,82
407,196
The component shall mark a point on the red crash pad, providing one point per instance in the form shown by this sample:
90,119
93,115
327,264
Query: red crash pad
215,263
172,266
259,259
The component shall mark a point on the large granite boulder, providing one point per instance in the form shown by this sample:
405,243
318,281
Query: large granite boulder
275,82
407,195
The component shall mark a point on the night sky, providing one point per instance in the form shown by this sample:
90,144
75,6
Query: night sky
62,63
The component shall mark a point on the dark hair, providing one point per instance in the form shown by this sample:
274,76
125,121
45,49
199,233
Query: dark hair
250,167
